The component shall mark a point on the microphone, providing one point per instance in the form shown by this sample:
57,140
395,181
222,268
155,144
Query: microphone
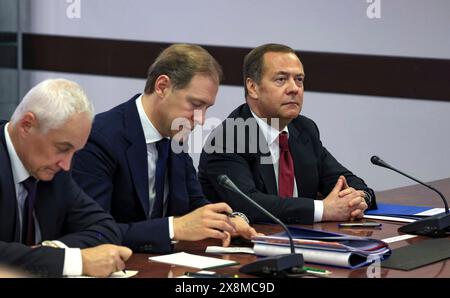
276,266
434,226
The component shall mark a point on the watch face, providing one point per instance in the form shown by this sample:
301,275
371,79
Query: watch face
50,244
367,198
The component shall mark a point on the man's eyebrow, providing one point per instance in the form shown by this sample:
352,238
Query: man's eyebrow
66,144
285,73
202,101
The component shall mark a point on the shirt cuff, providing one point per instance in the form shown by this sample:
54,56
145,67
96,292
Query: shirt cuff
318,210
73,263
171,233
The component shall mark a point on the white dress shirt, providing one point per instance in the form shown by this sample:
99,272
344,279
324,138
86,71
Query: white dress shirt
73,264
271,135
151,137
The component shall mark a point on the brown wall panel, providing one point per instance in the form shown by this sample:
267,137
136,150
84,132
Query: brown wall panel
388,76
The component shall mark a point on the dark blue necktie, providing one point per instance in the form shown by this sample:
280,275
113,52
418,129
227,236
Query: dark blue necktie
28,229
160,173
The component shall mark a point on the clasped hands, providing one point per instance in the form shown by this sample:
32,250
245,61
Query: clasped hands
343,203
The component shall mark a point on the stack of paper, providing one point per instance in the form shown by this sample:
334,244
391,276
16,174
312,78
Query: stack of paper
194,261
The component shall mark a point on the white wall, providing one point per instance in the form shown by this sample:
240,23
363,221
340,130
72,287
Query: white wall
410,134
406,27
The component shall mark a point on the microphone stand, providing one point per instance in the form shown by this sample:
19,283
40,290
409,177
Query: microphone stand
433,226
275,266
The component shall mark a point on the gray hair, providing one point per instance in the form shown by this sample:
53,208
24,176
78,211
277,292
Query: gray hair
53,101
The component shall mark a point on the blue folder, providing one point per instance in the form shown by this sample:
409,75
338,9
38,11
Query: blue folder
397,210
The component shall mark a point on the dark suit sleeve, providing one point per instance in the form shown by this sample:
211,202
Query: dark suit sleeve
94,169
86,224
244,169
238,169
40,261
194,188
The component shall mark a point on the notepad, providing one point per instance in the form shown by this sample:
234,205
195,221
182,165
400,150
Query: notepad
194,261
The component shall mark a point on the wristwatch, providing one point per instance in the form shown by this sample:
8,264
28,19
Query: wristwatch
49,243
241,215
367,198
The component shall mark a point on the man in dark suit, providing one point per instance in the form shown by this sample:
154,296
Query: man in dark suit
280,161
45,218
135,168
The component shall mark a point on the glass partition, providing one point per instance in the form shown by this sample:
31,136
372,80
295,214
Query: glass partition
10,64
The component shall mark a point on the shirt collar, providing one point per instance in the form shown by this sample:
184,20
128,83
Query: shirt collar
19,171
150,132
271,134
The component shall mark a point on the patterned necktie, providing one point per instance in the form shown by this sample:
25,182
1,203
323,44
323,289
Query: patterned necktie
285,168
160,173
28,229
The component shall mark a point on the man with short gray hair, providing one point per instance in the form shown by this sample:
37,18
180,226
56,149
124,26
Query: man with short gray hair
45,218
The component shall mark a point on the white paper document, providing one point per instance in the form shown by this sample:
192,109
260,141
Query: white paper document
229,250
398,238
431,212
194,261
389,218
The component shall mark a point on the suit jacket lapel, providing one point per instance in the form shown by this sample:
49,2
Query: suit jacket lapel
45,213
137,153
297,144
8,200
267,173
177,199
263,156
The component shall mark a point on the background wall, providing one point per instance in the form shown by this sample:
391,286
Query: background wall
409,133
9,76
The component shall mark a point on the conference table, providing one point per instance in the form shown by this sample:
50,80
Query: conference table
410,195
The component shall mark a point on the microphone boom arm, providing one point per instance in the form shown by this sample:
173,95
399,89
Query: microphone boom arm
228,184
435,226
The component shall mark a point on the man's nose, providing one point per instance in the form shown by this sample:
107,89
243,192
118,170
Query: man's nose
292,86
65,162
199,116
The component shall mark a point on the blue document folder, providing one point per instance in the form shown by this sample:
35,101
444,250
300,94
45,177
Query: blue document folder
397,210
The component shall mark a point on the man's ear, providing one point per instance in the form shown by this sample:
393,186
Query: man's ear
251,88
26,123
162,85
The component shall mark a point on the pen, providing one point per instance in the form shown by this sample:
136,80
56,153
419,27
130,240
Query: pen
316,270
205,275
360,224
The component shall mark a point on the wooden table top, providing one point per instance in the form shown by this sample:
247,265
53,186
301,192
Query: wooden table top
411,195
